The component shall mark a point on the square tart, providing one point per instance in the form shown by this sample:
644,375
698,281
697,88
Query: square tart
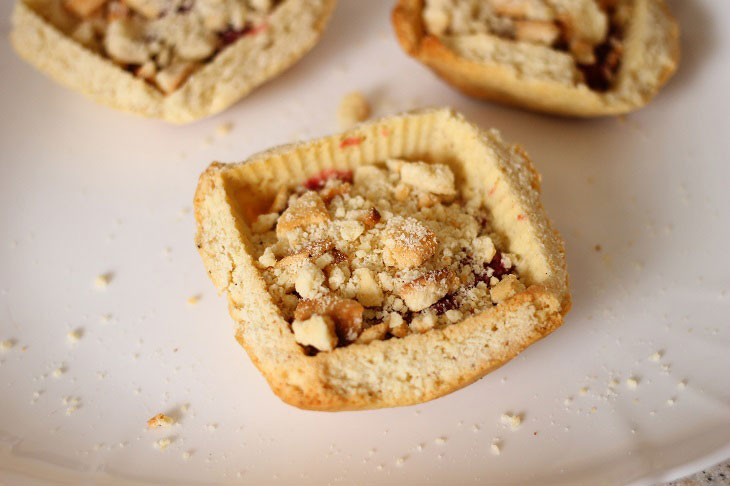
285,195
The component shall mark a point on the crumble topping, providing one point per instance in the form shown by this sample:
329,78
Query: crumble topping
381,252
160,41
589,30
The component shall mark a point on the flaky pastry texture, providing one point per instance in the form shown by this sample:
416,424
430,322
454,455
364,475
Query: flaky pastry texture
396,371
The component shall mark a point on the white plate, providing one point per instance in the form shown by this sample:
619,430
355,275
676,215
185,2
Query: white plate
86,190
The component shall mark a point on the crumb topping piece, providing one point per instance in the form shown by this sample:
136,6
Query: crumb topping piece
161,41
381,252
589,30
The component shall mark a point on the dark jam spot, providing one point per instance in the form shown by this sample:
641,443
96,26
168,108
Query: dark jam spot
231,35
445,304
601,75
497,265
317,182
310,350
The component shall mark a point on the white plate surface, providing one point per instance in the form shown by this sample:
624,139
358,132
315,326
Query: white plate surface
85,190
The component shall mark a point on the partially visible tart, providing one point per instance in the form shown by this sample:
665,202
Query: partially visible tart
178,60
385,266
570,57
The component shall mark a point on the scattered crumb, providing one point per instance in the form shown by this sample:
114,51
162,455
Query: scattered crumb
496,446
105,318
75,335
185,408
670,402
212,427
568,401
353,108
666,369
613,382
655,357
58,372
419,447
224,128
7,344
632,382
160,420
475,427
187,454
101,281
583,391
400,461
162,444
594,409
682,384
652,412
514,421
379,467
597,247
193,300
440,440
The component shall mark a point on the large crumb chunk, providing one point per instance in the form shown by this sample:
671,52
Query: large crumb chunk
160,420
369,293
408,243
308,209
506,288
426,290
435,178
317,331
353,108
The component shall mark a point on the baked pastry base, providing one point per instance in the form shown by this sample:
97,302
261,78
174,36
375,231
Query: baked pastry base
395,372
294,29
651,56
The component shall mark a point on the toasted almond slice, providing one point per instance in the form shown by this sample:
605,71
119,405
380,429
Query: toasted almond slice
536,31
425,291
408,242
170,78
308,209
83,8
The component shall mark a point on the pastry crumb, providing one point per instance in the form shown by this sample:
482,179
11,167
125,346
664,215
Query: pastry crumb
583,391
102,281
192,300
670,402
496,446
400,461
160,420
655,357
353,109
513,420
224,128
58,372
632,382
682,384
162,444
440,440
187,455
211,427
74,336
7,344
